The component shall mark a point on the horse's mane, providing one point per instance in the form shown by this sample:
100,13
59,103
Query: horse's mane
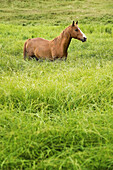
62,34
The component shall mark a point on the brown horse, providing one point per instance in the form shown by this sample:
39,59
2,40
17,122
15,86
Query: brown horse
53,49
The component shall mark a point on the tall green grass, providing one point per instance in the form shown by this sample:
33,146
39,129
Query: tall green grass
56,115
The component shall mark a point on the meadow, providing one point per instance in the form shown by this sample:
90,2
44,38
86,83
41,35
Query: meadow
56,115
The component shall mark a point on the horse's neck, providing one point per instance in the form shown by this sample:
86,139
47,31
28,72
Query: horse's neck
65,40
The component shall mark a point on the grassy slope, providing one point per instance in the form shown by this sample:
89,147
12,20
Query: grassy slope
56,115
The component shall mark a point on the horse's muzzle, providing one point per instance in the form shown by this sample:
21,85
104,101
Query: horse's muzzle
84,39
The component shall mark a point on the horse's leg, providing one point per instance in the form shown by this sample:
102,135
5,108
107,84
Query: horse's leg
66,56
35,57
53,58
28,57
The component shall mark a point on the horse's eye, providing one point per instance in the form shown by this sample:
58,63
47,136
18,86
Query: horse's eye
76,30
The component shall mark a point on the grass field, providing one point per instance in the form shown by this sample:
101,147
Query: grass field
56,115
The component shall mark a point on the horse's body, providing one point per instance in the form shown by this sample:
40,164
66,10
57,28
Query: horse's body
53,49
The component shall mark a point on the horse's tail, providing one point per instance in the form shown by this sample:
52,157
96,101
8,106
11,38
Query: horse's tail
24,52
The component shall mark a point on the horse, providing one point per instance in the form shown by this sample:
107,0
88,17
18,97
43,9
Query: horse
40,48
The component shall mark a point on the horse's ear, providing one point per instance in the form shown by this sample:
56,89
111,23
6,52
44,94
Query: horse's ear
77,23
73,23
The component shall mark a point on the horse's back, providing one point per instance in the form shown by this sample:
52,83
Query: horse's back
38,41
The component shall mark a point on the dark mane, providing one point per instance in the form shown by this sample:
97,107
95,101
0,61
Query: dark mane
62,34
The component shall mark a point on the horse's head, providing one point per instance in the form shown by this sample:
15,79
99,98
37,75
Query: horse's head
77,33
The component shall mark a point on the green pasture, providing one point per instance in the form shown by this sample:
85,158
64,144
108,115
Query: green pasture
56,12
56,115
